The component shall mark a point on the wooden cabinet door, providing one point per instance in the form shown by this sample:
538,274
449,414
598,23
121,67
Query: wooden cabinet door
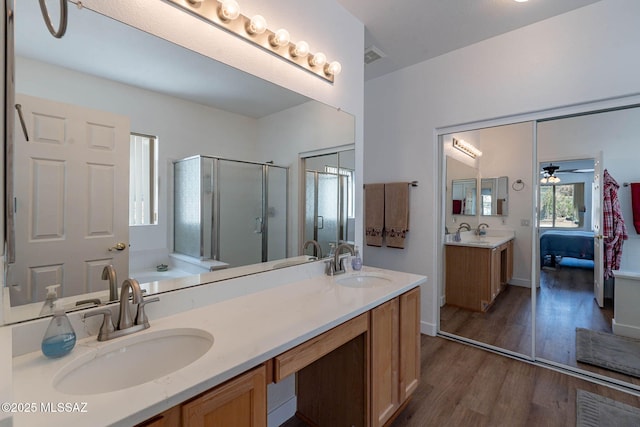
385,398
509,260
169,418
240,402
409,343
496,263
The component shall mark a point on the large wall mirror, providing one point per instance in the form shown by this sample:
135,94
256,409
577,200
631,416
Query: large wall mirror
581,311
98,85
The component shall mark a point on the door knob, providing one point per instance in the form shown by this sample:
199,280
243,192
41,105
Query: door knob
119,247
600,236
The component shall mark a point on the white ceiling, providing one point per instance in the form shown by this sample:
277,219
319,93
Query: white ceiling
412,31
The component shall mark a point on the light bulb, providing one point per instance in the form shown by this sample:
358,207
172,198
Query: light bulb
333,69
228,10
257,25
318,60
300,50
280,38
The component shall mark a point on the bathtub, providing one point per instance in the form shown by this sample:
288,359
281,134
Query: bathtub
626,299
152,275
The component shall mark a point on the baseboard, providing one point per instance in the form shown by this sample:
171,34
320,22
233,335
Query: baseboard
625,330
282,413
443,300
525,283
428,328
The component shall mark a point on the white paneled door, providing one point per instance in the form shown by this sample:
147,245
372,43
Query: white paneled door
71,184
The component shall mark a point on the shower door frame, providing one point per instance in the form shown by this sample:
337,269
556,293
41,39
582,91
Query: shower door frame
264,227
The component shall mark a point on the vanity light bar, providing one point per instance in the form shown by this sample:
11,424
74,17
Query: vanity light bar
468,149
226,14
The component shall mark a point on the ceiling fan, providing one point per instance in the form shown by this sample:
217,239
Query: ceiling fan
548,176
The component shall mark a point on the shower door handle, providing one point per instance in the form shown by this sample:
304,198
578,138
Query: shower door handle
258,229
320,222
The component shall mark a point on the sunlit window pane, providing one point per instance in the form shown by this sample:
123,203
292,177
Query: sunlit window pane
142,180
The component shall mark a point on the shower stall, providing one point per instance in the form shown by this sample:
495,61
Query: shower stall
230,210
329,190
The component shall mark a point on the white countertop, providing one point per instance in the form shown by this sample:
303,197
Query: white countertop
627,274
490,240
247,331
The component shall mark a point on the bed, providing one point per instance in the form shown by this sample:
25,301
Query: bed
566,243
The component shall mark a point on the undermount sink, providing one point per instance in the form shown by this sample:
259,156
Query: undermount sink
132,361
367,279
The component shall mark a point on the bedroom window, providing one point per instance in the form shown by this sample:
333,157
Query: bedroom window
562,206
143,190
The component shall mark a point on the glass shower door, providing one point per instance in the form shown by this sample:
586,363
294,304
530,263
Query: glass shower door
276,241
241,217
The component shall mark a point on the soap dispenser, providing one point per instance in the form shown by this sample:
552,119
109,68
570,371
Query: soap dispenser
60,338
356,261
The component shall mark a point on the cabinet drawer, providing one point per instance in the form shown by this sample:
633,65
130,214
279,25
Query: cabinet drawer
306,353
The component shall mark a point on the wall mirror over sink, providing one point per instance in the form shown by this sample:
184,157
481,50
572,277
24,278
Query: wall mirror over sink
581,309
494,196
190,106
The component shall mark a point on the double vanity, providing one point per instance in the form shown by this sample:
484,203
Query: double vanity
352,340
478,268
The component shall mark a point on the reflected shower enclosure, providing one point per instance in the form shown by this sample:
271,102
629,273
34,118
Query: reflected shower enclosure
329,207
229,210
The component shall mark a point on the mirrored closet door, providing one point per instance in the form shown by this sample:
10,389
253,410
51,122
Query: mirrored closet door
558,301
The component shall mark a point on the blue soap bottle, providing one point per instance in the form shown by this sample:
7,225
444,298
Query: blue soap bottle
60,338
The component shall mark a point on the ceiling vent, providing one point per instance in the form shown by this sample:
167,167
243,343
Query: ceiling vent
371,54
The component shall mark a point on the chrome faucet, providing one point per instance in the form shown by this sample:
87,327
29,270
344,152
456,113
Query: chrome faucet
318,249
335,265
109,273
465,226
126,324
480,231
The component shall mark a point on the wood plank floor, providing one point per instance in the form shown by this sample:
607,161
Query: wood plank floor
564,302
462,385
465,386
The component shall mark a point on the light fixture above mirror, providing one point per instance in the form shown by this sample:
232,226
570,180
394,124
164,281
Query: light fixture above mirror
468,149
226,15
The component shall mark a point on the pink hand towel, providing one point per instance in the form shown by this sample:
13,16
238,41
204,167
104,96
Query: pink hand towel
635,205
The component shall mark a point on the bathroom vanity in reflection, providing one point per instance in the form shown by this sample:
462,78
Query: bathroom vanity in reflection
477,270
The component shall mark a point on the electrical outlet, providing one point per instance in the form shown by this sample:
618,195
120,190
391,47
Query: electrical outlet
525,222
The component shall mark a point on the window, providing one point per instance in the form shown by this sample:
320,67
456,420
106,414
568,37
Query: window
143,206
351,186
562,205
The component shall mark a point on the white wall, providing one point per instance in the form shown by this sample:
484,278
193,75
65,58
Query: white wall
585,55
